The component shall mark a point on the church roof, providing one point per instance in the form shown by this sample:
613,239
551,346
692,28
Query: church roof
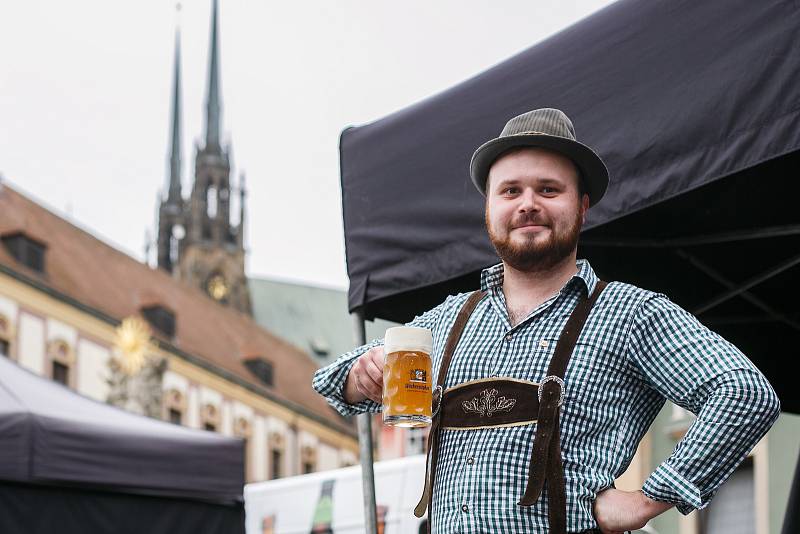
87,273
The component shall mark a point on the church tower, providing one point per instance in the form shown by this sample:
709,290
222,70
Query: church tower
197,241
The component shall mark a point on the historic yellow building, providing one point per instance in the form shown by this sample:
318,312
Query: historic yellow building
91,317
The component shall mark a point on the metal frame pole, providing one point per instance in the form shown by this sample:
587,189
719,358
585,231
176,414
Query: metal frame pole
365,442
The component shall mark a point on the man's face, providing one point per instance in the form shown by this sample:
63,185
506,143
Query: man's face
534,212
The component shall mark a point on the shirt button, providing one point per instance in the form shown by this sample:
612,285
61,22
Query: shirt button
544,343
509,337
470,460
464,508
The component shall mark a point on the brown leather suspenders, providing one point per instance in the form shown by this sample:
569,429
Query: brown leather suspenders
433,435
544,398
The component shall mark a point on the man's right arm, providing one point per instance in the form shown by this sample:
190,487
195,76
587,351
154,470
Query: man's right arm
331,381
353,383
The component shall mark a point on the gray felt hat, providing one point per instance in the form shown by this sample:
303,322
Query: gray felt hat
546,128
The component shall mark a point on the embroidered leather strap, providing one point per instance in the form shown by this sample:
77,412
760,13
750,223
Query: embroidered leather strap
545,463
433,435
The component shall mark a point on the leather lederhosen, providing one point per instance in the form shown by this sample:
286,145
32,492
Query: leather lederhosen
502,402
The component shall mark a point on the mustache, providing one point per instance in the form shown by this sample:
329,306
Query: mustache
528,220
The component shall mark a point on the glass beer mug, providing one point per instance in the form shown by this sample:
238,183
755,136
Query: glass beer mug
407,376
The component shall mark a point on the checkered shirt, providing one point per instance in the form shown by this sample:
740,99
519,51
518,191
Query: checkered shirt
636,350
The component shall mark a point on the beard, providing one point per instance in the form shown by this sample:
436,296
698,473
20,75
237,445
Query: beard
532,253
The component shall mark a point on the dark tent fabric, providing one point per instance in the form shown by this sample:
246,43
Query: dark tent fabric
673,95
693,106
51,435
34,509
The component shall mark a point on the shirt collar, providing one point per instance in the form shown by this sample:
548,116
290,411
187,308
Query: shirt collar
492,277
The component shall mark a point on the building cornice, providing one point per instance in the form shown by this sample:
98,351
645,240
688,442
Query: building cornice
174,350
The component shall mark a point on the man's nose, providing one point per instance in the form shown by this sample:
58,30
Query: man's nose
528,200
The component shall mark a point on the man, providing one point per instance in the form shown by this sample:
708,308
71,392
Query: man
634,349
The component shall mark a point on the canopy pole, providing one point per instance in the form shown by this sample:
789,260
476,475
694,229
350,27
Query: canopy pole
365,442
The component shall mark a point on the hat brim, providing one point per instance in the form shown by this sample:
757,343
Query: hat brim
592,170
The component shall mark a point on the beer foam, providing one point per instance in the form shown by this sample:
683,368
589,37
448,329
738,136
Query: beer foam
408,338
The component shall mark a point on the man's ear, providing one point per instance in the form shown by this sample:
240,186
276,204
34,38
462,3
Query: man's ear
584,207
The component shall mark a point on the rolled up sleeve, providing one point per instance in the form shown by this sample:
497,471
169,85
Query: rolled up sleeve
329,382
702,372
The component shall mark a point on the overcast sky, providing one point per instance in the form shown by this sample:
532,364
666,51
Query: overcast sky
85,102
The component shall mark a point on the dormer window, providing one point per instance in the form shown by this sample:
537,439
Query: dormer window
26,250
261,368
319,347
161,319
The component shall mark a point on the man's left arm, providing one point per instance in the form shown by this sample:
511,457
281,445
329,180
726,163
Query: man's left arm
702,372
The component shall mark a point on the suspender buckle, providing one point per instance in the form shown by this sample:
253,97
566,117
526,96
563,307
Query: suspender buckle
557,380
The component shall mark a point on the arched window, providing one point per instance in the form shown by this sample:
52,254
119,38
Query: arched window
61,362
209,418
277,445
174,406
212,201
308,459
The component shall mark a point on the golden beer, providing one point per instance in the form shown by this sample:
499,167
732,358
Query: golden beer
407,377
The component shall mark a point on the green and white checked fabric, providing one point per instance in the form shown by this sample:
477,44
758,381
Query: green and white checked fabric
636,350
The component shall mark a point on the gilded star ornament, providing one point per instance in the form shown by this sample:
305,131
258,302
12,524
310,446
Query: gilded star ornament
132,344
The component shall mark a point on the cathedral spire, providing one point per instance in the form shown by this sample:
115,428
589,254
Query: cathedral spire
174,194
213,97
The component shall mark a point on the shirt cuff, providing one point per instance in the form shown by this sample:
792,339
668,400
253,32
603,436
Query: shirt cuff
341,406
666,484
330,381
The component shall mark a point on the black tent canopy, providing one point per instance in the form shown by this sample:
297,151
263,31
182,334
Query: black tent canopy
62,452
695,109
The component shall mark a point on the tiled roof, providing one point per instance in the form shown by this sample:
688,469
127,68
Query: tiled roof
83,268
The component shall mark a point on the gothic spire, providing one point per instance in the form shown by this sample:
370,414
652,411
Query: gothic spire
213,97
174,194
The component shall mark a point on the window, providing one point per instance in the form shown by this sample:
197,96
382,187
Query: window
415,441
308,459
175,416
61,360
241,429
5,337
61,373
173,250
26,250
261,368
277,458
209,417
174,405
161,319
211,202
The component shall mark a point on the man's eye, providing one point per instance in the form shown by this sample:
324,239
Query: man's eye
510,190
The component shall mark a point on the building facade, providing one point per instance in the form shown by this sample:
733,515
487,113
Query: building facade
76,310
